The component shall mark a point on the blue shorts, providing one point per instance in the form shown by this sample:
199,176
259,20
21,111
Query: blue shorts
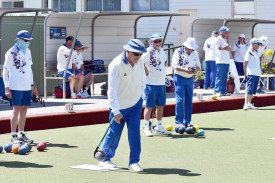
21,97
155,95
252,83
77,72
69,73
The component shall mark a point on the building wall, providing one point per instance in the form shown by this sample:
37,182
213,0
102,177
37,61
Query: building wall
205,9
265,10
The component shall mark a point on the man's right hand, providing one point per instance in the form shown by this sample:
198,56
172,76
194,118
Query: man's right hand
8,93
118,118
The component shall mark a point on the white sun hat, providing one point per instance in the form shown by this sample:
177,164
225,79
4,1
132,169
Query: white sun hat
190,43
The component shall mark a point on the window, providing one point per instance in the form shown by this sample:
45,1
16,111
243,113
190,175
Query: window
13,4
64,5
103,5
150,5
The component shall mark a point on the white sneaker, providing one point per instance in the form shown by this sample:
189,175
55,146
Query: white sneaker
135,167
85,94
219,95
79,95
73,96
107,164
159,130
251,106
147,132
245,107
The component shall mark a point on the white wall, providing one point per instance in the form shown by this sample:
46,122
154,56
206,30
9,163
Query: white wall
205,9
265,10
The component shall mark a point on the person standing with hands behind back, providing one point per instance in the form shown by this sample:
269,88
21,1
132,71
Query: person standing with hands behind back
222,60
19,86
252,70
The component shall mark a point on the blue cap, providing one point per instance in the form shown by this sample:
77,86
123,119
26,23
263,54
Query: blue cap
135,45
224,28
78,43
23,34
156,36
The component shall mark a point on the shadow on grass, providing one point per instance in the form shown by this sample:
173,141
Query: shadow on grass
19,164
58,145
260,109
218,129
179,136
169,171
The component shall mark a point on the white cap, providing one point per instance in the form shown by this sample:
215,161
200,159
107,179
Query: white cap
264,40
255,40
190,43
242,36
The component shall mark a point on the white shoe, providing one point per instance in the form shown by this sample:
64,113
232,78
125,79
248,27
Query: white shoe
245,107
147,132
79,95
219,95
251,106
135,167
73,96
107,164
85,94
159,130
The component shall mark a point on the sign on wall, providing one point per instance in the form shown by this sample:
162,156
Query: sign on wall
57,32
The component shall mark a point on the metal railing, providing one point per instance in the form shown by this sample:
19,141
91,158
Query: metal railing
169,52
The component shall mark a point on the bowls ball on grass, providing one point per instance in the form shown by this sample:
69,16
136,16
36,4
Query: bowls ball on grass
8,147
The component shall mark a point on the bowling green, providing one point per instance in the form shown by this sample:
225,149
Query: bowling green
236,148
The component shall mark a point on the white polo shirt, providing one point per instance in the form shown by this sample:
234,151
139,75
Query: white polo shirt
62,57
18,65
210,48
240,50
253,66
155,63
222,56
126,84
182,59
78,60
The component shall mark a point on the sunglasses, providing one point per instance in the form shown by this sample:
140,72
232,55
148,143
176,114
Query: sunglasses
26,40
137,54
157,41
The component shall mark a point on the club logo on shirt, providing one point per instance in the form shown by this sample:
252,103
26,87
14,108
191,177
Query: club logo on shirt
125,74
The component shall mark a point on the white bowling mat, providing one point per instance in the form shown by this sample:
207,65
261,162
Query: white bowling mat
94,167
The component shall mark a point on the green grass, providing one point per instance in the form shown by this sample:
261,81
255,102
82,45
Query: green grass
236,148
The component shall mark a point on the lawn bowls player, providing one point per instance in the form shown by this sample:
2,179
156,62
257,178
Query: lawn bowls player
155,60
185,62
222,60
252,70
210,61
126,84
19,85
238,51
78,68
